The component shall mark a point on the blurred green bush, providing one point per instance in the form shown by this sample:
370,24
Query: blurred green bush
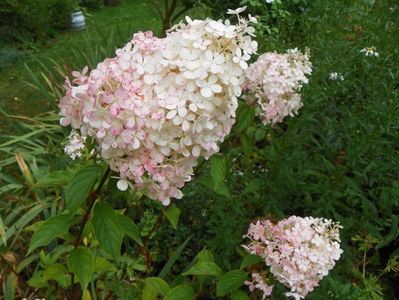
25,20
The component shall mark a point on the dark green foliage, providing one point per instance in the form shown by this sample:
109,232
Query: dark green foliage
35,19
92,4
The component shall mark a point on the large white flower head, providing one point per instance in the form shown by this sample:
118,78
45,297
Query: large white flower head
162,103
299,251
273,83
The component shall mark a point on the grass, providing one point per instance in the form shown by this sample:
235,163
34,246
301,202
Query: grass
17,97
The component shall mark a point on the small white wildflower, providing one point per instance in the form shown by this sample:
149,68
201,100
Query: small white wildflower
336,76
370,51
76,144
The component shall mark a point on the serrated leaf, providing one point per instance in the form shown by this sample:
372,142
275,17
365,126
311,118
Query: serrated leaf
80,186
107,229
130,228
229,282
157,284
81,263
250,259
204,268
49,230
172,213
181,292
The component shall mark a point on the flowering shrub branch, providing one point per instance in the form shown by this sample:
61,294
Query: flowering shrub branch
299,251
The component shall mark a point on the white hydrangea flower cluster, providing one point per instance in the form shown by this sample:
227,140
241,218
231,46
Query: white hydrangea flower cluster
273,83
299,251
162,103
75,145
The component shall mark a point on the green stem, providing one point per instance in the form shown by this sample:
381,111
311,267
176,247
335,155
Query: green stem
90,203
364,263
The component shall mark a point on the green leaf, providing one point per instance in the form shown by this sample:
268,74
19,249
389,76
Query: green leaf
181,292
391,236
218,168
10,287
102,265
239,295
218,174
55,179
149,293
37,280
3,232
157,284
250,259
204,268
86,295
260,134
107,229
246,144
229,282
81,263
172,213
205,256
49,230
166,269
80,186
130,228
58,273
245,118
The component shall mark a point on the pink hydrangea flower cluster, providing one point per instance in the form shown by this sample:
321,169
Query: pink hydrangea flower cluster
259,283
160,104
273,83
299,251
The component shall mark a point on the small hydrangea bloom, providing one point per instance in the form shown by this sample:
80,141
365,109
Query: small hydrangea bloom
336,76
75,145
299,251
159,104
273,83
259,283
370,51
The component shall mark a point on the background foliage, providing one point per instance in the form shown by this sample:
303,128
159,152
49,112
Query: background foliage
338,159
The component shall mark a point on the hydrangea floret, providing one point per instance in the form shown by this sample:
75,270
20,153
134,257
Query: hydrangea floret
299,251
75,145
273,83
160,104
259,283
